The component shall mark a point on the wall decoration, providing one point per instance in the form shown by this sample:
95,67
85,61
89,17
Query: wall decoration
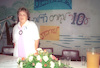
52,4
76,18
49,32
61,25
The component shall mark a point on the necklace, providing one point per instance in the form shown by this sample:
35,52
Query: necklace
20,32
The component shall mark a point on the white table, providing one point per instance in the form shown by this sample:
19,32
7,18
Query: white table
8,61
11,62
76,64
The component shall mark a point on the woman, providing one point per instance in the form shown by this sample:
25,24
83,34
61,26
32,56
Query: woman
25,35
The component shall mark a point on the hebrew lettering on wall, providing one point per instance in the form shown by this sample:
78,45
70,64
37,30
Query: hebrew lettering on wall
49,32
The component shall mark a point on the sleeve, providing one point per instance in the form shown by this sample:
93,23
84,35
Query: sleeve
36,32
13,35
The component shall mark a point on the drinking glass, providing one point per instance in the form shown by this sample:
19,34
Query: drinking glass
61,59
68,60
92,58
83,60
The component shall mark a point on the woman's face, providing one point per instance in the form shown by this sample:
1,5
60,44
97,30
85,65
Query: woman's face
22,17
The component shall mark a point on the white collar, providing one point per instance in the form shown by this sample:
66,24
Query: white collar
24,25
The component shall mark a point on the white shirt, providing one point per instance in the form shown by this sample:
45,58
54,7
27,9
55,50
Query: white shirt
30,34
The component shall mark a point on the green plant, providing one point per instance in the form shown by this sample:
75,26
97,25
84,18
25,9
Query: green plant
41,59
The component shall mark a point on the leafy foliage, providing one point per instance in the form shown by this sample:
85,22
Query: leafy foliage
42,59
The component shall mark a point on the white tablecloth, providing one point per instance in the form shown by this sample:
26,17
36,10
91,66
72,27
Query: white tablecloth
76,64
8,61
11,62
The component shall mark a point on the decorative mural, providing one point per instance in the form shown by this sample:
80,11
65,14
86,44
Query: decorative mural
77,19
6,12
59,29
52,4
